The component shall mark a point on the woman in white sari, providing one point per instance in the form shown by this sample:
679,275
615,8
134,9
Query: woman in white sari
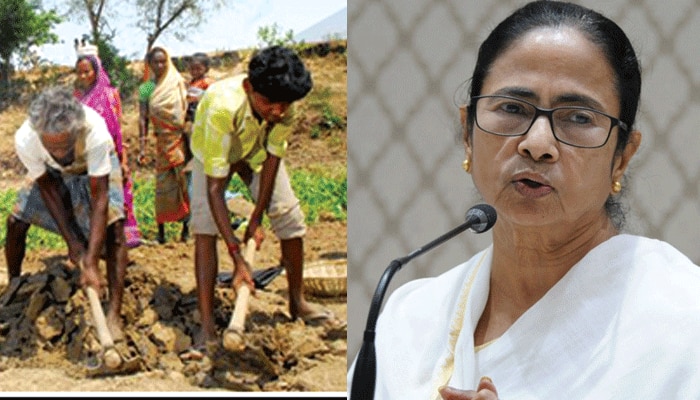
562,305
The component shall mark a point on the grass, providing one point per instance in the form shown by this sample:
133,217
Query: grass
323,197
320,101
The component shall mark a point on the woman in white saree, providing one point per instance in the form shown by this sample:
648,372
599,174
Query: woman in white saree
562,305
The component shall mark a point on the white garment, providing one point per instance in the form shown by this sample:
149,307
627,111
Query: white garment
623,323
98,144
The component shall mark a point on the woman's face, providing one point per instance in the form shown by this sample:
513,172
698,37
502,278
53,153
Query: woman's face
86,74
159,63
535,180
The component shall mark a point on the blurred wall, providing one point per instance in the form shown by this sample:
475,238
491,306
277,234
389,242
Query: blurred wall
407,62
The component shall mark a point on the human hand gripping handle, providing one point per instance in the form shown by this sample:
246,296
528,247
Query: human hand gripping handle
76,250
243,283
254,231
90,273
242,265
90,283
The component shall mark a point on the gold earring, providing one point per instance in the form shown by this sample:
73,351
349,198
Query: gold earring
466,165
616,187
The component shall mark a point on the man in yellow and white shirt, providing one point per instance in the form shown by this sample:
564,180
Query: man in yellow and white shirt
241,126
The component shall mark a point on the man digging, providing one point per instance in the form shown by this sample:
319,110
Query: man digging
73,188
242,126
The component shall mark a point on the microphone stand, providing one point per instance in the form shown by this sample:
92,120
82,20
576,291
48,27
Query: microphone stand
364,378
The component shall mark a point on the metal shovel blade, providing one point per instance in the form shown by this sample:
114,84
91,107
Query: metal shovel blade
261,277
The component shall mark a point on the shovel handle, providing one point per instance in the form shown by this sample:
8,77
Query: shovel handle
249,253
240,310
103,334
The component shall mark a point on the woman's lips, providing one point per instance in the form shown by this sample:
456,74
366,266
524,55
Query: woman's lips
532,187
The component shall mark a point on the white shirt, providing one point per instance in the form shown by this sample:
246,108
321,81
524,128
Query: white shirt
98,145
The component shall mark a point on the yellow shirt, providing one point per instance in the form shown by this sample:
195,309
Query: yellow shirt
225,130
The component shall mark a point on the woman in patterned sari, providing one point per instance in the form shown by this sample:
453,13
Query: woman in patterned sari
163,102
93,88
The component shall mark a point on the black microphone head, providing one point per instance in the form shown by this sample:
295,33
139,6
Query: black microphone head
484,217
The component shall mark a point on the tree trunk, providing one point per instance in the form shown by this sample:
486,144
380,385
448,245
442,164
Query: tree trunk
5,73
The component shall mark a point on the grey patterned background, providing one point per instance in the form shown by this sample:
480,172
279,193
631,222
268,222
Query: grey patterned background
407,60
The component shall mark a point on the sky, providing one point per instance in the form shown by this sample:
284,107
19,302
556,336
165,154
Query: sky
232,27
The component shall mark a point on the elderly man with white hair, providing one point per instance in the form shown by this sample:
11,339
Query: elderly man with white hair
74,188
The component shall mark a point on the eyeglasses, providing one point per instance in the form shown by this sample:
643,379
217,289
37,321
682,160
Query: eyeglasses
575,126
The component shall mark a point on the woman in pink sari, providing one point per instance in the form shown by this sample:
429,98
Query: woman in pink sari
94,89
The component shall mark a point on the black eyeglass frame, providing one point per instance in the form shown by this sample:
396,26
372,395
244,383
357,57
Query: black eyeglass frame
548,112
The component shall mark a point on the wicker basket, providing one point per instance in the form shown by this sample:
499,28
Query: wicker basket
326,278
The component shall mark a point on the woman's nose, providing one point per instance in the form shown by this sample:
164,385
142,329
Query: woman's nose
539,142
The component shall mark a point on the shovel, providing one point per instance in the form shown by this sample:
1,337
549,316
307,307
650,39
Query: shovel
264,277
240,207
131,362
112,359
261,277
233,335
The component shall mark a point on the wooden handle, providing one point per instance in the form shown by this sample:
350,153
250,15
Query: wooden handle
249,252
240,310
103,334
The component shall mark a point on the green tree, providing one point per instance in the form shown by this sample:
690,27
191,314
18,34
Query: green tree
272,35
97,13
23,24
176,15
117,67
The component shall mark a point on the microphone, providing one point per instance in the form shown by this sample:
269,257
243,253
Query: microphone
478,219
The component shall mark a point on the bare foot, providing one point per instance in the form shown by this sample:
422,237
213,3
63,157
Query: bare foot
202,338
203,346
315,315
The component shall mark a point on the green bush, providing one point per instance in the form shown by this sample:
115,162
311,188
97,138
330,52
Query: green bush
271,35
321,197
319,101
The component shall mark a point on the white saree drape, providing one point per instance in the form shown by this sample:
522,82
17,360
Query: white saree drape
623,323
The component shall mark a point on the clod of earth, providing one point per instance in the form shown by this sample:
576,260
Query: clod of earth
47,312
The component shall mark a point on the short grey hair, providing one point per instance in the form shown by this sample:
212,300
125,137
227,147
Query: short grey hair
56,110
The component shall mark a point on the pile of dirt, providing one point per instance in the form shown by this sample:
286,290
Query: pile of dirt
46,313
